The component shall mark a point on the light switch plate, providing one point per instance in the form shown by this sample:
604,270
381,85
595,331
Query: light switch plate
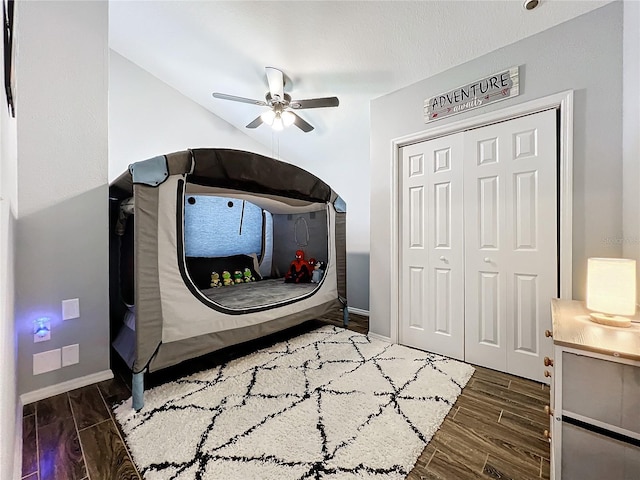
70,309
70,355
46,361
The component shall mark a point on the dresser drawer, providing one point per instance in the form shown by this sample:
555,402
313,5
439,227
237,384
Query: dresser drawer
604,391
587,455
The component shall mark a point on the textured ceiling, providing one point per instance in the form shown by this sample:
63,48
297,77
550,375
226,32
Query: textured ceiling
354,50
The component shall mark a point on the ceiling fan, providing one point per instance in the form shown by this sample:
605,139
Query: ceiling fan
281,106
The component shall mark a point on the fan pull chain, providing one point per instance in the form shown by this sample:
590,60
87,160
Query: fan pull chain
275,145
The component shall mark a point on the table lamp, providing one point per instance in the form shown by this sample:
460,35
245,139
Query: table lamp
611,290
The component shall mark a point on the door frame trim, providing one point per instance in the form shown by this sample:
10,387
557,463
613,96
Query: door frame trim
562,101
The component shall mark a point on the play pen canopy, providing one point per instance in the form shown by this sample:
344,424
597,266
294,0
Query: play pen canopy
186,217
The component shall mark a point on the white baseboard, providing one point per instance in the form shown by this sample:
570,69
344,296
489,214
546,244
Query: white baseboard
379,337
64,387
358,311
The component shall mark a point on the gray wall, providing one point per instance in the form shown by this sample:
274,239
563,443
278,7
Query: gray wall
61,242
358,279
585,55
10,414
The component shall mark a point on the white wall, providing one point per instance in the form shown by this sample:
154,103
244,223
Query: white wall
147,118
584,54
10,414
631,134
62,227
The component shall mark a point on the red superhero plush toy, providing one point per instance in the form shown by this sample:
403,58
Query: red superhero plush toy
299,271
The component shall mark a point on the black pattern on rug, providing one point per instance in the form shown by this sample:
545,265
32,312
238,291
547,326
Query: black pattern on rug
330,404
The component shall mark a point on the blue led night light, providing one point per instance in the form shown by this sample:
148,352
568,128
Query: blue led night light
41,327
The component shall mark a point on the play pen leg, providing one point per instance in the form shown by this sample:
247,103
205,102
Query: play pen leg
345,316
137,390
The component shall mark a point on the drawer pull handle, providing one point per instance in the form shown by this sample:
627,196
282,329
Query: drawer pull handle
547,333
547,373
548,410
548,362
547,435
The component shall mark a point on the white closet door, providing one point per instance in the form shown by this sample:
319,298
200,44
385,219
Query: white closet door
511,270
432,263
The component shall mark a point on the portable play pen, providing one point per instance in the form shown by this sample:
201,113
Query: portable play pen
179,218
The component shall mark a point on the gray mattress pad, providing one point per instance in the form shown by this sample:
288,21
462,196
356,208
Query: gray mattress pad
260,293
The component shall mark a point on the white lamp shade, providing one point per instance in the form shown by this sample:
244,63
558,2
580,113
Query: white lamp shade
277,123
611,285
268,117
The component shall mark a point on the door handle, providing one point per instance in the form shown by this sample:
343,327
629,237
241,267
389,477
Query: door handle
444,259
487,260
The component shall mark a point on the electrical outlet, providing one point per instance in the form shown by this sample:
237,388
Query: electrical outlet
70,355
46,361
70,309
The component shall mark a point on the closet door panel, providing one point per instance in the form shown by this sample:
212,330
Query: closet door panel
489,319
526,315
488,210
531,240
484,273
432,244
416,289
511,233
414,252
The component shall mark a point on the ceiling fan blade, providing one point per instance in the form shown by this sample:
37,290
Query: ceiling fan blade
315,103
233,98
256,123
302,124
276,82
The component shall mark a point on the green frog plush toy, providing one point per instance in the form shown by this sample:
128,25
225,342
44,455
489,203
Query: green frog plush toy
226,278
237,276
215,280
248,277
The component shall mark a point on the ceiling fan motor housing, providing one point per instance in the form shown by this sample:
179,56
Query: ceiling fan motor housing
272,102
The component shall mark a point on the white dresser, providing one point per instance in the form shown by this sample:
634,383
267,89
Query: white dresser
595,397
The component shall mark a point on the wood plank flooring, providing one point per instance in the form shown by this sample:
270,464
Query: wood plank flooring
494,430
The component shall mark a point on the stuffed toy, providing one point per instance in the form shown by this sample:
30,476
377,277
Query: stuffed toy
215,279
299,271
248,277
312,264
226,278
318,272
237,276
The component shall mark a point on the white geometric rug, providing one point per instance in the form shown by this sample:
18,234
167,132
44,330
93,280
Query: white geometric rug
329,404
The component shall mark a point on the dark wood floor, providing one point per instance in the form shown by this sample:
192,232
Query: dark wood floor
493,431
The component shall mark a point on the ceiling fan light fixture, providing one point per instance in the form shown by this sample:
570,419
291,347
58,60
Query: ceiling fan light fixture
281,113
278,124
288,118
268,117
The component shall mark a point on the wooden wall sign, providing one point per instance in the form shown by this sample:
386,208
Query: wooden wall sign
496,87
